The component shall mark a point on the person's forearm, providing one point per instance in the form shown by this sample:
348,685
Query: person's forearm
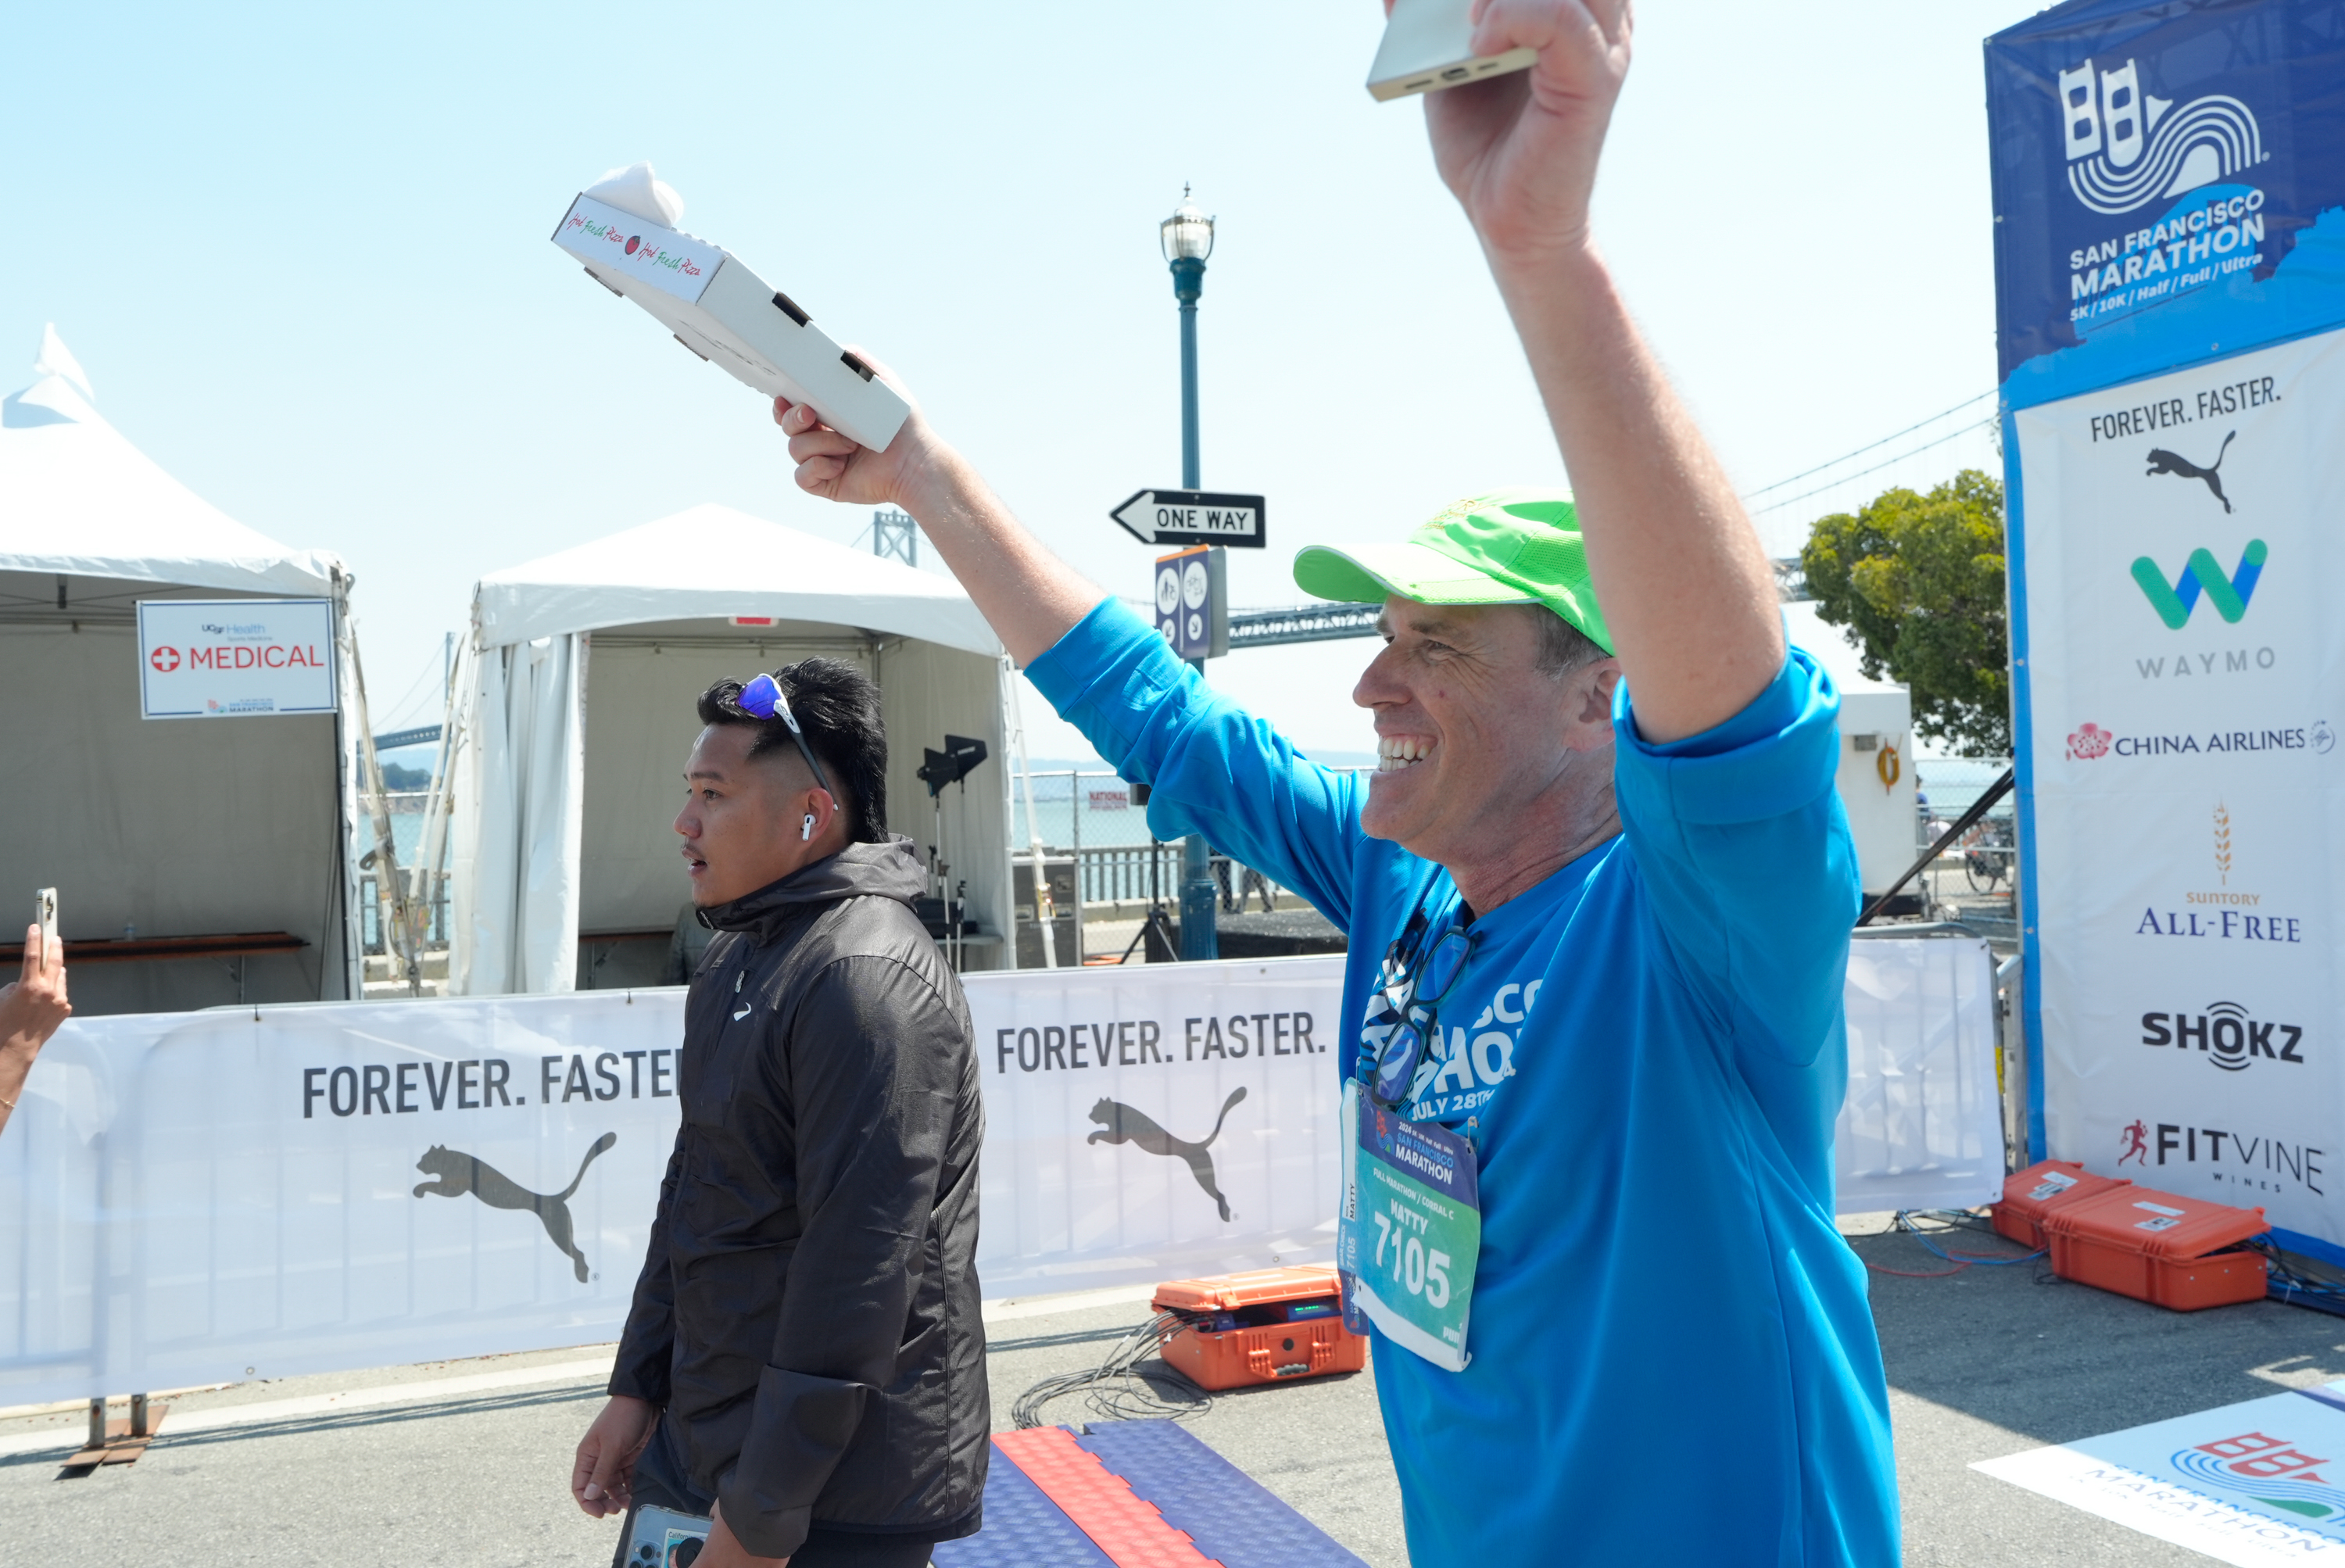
1030,596
1685,586
15,1067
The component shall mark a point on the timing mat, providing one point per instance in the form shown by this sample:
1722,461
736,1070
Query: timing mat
1132,1494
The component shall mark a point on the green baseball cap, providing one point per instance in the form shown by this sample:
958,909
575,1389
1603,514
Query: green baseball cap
1508,547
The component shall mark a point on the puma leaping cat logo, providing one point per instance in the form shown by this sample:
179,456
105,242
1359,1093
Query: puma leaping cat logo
1125,1126
461,1173
2164,462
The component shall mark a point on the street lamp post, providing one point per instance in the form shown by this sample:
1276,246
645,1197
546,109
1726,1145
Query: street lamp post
1188,238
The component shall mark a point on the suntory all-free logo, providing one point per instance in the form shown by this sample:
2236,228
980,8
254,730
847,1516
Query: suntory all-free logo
2202,573
2127,149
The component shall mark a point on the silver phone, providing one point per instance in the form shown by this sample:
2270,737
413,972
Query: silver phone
1428,45
44,915
662,1538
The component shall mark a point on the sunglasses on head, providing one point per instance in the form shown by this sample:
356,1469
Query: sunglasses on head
762,697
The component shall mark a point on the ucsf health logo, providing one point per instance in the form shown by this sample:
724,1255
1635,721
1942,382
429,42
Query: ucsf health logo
2127,149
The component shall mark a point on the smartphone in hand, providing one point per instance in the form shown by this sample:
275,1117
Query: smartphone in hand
44,915
1428,45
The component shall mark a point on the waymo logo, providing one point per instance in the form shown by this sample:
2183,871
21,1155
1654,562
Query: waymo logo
2127,148
2202,573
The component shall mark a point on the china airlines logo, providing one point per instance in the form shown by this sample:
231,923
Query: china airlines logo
2089,741
2127,148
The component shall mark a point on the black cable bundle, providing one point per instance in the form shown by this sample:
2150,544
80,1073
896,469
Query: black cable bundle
1117,1390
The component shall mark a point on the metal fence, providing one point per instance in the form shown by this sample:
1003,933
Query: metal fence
435,935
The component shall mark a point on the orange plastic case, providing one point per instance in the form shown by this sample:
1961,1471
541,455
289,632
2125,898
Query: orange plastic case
2029,1195
1267,1326
2157,1247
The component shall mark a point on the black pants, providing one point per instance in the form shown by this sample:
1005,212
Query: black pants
660,1481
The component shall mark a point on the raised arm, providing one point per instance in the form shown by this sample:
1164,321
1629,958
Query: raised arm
1685,585
1030,596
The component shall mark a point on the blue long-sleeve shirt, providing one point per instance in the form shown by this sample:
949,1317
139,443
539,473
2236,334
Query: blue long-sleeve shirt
1672,1357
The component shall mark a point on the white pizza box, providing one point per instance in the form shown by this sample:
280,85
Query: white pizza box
1428,45
731,317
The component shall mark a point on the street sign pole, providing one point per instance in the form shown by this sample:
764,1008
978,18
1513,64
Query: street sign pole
1200,938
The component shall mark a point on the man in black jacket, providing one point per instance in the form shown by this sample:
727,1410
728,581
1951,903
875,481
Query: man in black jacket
803,1359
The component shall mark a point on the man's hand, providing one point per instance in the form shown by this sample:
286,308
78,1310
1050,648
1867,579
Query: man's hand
1519,151
1029,596
725,1549
836,468
30,1011
602,1477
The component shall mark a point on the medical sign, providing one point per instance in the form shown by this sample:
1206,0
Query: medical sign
234,658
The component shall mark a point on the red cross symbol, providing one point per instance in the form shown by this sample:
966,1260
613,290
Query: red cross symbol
166,660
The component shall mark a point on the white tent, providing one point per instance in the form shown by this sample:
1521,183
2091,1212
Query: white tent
175,835
564,867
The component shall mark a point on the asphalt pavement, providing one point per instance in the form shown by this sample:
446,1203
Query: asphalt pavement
466,1464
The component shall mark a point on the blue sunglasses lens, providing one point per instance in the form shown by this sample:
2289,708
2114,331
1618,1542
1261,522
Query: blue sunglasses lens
760,697
1441,969
1397,1067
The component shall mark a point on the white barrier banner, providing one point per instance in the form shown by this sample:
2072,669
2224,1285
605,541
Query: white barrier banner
1156,1123
196,1197
2187,664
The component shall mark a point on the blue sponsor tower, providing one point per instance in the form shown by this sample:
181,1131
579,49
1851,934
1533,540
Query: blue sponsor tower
2170,243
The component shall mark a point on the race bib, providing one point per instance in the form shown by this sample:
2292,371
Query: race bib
1409,1231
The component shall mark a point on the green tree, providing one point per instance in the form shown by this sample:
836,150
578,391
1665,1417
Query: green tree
1919,582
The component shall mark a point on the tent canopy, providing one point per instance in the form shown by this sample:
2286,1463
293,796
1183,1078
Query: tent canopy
577,711
209,827
713,562
83,502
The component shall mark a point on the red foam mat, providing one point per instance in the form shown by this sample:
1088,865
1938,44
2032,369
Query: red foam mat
1101,1502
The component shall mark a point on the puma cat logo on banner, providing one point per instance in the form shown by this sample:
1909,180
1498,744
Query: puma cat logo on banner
2164,462
1125,1126
461,1173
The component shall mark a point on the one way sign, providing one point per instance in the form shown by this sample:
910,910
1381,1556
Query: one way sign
1193,517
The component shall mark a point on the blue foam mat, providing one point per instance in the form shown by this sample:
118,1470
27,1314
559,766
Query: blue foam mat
1023,1529
1230,1516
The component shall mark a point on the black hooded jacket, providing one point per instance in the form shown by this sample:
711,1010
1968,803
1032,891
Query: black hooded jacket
808,1314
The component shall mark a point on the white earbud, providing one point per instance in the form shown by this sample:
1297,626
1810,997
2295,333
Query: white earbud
805,828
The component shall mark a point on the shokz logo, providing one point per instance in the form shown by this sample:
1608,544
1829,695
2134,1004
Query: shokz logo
2202,573
2226,1034
2127,148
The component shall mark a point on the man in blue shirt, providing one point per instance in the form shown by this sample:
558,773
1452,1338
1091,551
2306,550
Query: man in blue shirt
1598,895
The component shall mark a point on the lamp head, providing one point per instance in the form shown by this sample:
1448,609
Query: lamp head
1188,234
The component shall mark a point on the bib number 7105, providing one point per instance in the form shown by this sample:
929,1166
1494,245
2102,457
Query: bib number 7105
1419,1271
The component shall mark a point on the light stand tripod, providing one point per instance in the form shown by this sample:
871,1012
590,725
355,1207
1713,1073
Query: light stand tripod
939,769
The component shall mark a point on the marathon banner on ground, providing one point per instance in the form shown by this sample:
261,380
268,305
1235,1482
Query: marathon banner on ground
2170,265
198,1197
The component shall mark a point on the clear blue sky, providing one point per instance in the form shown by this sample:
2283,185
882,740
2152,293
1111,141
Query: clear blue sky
303,253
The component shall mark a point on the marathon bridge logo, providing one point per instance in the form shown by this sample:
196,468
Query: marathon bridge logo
2226,1034
2127,149
2271,1471
2202,573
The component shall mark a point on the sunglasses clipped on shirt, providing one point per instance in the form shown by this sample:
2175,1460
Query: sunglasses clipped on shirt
1416,975
763,697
